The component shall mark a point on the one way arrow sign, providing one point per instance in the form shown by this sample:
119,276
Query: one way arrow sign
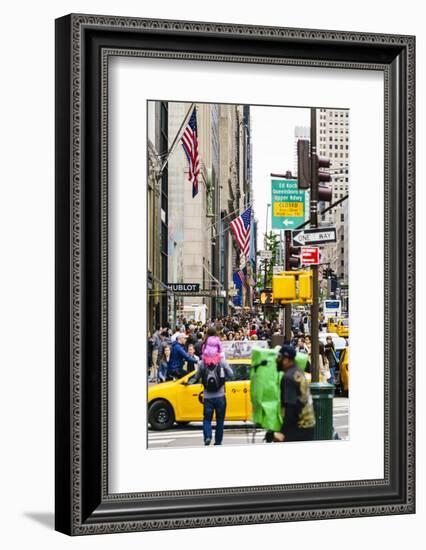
324,235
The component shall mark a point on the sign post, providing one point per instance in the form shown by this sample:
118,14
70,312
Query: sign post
314,224
288,204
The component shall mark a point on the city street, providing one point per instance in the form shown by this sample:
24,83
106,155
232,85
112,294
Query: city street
236,433
247,267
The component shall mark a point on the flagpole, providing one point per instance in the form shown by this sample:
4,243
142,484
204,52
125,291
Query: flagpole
227,216
177,137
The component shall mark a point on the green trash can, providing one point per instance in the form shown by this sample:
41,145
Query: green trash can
322,395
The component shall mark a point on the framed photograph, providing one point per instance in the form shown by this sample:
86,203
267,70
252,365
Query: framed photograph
234,228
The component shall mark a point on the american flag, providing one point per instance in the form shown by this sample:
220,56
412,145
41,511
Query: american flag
190,146
241,228
241,275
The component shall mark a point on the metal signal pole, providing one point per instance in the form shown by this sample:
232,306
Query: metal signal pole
287,307
314,223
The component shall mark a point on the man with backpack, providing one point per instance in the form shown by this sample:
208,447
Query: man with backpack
213,371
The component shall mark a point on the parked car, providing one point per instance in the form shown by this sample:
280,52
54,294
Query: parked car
181,401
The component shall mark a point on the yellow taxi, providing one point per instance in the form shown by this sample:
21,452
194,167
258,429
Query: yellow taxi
342,328
344,371
181,401
338,326
332,325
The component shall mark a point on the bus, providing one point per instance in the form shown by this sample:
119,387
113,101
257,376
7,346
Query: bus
332,308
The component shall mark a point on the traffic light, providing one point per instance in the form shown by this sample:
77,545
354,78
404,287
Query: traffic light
332,283
322,164
266,297
305,286
293,287
325,193
303,164
284,286
323,175
292,258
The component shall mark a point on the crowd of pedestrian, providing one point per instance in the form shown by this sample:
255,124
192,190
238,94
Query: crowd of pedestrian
173,352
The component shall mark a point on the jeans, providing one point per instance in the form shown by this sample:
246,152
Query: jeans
162,372
331,379
218,405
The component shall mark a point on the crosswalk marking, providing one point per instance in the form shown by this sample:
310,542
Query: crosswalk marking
236,432
158,437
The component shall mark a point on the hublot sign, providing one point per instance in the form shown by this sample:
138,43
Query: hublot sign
184,287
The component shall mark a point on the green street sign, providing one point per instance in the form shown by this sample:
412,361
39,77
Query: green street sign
288,204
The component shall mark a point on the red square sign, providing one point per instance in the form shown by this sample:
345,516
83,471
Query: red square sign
310,255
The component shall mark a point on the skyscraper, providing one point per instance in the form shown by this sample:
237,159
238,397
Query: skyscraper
333,142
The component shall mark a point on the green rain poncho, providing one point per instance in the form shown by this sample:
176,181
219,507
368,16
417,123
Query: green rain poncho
265,389
301,360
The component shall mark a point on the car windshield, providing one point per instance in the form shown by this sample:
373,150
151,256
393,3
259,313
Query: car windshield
338,341
240,370
345,322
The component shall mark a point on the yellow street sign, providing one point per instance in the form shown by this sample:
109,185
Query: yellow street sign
288,209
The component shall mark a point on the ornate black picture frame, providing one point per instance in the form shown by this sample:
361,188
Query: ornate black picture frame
83,45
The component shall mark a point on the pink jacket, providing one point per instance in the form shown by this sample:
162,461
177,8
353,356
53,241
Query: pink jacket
212,350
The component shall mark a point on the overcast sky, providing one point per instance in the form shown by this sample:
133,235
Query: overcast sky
273,151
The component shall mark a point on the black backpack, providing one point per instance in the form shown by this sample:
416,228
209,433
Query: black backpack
213,377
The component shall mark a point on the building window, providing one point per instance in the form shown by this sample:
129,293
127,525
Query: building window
342,217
